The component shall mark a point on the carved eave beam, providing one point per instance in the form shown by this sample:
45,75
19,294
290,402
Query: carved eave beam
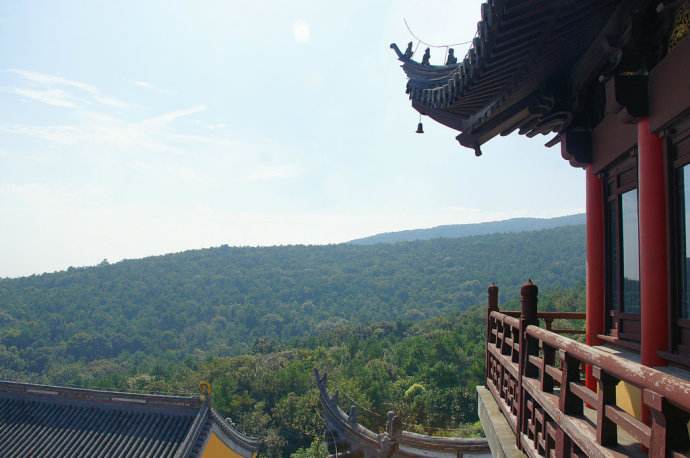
576,146
546,111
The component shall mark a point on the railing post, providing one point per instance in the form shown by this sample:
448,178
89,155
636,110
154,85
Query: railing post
492,305
528,316
607,430
669,426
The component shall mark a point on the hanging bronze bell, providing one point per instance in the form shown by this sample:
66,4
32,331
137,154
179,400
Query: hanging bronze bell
420,128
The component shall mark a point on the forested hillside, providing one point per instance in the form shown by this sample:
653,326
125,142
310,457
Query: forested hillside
387,321
468,230
225,301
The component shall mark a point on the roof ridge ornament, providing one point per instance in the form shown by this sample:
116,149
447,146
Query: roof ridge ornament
451,59
205,391
426,57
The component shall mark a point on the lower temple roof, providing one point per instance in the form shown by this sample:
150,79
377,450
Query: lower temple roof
49,421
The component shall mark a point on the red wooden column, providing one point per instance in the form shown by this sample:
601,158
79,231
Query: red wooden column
595,280
654,276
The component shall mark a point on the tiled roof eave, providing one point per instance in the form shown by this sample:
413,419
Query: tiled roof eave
101,398
248,442
518,47
190,441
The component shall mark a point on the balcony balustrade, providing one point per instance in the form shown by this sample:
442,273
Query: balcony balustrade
536,377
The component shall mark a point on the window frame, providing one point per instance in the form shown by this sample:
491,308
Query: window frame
677,154
620,327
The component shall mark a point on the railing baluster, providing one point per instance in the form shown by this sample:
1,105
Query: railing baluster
548,360
569,403
505,348
517,341
563,444
607,430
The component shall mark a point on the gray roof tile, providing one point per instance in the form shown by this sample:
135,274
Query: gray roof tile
49,421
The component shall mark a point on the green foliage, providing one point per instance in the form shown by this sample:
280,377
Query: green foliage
416,389
425,371
317,449
225,301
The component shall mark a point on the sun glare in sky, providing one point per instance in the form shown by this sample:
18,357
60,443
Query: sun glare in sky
301,31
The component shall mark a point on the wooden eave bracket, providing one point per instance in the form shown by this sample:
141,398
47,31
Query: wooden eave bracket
576,146
632,93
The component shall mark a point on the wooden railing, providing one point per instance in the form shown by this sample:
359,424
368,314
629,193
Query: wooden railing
536,377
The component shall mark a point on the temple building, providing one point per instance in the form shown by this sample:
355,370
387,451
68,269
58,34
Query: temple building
609,82
50,421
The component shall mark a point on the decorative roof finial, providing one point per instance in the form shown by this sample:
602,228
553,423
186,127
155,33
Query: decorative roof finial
352,416
451,60
427,56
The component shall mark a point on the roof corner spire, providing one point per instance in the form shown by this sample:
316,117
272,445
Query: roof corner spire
205,391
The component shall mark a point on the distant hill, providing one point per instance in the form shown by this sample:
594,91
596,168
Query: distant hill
466,230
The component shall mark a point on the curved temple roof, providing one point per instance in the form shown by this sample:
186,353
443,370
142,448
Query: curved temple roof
44,420
394,442
518,73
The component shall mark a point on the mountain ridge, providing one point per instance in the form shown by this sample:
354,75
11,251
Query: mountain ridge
507,226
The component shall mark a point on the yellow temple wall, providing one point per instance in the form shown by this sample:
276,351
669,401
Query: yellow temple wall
629,398
215,448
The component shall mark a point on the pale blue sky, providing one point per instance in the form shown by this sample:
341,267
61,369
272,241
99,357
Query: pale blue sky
134,128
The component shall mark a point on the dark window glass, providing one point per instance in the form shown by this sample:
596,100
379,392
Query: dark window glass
631,252
684,200
613,272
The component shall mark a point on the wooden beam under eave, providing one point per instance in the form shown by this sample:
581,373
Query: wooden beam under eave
669,87
611,138
602,49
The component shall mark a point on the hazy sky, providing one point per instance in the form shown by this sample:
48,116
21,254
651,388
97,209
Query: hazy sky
134,128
